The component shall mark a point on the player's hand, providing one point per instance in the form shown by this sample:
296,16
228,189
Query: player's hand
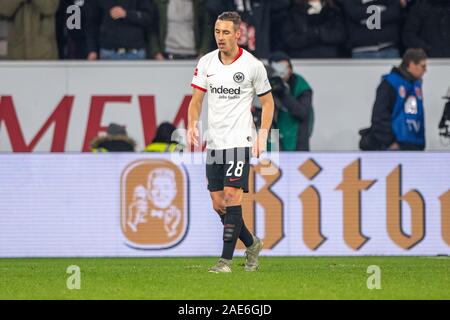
117,13
193,136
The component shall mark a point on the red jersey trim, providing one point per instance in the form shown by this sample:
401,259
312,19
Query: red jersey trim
197,87
238,55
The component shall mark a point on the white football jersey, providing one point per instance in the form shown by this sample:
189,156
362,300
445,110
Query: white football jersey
230,90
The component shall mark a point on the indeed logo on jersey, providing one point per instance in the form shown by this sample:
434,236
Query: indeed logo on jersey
233,92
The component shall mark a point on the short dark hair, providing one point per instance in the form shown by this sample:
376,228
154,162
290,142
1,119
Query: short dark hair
280,56
414,55
231,16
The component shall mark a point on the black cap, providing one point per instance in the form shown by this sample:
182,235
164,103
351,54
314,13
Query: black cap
279,56
115,129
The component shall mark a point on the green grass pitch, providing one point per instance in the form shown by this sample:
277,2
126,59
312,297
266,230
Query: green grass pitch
187,279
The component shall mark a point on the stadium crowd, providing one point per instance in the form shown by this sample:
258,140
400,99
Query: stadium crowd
182,29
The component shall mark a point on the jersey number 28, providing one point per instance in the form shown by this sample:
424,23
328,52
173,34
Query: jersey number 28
237,171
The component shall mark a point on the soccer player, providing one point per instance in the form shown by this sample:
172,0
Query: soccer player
232,77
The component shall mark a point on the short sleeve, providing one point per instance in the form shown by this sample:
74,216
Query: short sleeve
261,82
199,79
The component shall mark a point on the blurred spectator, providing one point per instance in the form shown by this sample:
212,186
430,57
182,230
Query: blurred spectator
31,33
398,115
406,7
71,42
294,115
164,140
184,30
314,29
444,124
117,29
279,13
116,140
407,4
256,21
3,38
428,27
369,43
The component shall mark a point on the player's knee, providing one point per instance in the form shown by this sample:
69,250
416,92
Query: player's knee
230,198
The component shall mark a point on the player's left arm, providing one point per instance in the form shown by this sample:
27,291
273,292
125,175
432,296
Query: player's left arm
266,121
264,91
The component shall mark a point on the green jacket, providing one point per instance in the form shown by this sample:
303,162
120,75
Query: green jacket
203,30
32,33
295,132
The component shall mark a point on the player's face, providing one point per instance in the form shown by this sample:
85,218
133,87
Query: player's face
226,36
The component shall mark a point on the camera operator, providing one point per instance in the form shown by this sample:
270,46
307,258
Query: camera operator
398,111
294,115
444,124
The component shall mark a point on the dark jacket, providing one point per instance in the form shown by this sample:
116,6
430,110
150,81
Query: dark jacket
129,32
314,35
117,143
278,20
258,16
203,29
355,14
71,42
380,135
428,27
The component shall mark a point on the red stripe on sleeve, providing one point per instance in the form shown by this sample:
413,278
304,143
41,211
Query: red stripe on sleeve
197,87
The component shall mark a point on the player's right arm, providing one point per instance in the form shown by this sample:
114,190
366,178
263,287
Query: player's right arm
194,111
199,83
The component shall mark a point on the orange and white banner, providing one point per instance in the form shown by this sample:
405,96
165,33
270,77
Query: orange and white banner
154,205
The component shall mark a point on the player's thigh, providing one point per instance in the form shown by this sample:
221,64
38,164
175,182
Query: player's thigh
214,175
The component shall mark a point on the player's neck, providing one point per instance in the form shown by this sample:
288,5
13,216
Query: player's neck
230,56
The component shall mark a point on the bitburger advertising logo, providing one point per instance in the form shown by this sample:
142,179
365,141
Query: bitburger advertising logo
154,204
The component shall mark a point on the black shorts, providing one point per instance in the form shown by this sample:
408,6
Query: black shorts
228,168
